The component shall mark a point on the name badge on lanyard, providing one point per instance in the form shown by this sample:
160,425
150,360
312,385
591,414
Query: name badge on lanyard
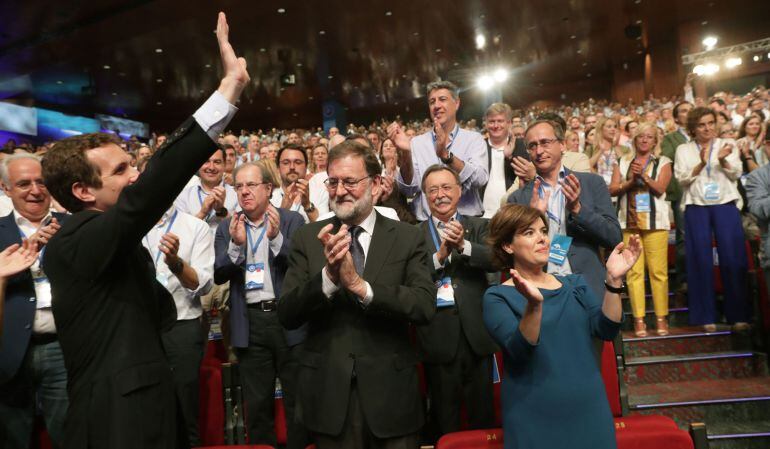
41,283
643,202
711,189
255,272
559,249
445,296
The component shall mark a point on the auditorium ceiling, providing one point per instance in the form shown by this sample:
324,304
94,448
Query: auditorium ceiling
156,60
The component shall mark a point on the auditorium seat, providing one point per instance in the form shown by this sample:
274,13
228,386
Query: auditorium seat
239,446
472,439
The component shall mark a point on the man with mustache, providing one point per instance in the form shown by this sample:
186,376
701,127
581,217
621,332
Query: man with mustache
108,307
295,193
455,346
358,280
447,144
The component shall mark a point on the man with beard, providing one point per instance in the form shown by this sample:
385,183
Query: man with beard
294,195
358,280
447,144
108,307
230,161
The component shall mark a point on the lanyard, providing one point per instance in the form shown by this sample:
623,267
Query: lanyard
254,247
644,169
559,196
434,233
200,199
42,251
168,228
708,159
453,135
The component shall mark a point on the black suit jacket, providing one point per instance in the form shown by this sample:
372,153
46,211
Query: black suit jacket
345,338
438,339
110,311
519,149
225,270
20,305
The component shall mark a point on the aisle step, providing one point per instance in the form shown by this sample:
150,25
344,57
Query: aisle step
709,401
684,340
739,435
695,366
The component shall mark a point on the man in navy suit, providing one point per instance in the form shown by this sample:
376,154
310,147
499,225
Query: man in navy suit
31,363
580,214
252,250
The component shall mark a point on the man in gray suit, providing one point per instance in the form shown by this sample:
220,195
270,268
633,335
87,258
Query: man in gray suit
580,214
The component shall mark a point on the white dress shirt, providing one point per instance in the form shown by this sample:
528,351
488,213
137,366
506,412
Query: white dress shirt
466,145
243,253
191,199
365,239
319,195
438,225
6,205
196,249
556,213
277,197
43,321
214,115
496,186
694,187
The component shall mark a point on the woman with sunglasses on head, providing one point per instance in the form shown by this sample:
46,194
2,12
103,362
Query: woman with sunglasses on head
639,182
545,325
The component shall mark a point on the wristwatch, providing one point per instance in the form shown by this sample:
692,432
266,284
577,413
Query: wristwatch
310,209
616,290
221,212
448,160
177,266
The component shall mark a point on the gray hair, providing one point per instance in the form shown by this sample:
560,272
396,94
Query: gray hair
442,84
7,161
263,171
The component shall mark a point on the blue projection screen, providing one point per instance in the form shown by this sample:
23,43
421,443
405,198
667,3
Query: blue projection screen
18,119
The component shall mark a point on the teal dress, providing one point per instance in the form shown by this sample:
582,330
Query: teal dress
553,395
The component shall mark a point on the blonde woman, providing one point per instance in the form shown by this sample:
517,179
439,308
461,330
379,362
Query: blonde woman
606,150
639,181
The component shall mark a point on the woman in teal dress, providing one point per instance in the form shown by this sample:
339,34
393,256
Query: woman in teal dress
552,393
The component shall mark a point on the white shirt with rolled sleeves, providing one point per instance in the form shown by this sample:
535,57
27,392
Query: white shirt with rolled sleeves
466,145
240,254
365,239
191,199
196,249
277,197
43,322
694,187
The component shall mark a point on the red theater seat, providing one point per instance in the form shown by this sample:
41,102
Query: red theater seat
240,446
472,439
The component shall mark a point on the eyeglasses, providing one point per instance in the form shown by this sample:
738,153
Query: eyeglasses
348,184
287,162
709,124
531,146
27,185
249,185
445,188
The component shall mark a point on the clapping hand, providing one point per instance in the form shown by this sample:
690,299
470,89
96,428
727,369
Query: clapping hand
336,246
238,229
571,188
398,136
44,234
273,222
169,246
442,140
531,293
724,152
523,168
454,235
17,258
538,202
623,257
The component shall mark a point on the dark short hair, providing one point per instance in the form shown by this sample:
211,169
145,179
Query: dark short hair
291,146
352,148
503,227
448,85
694,116
558,131
437,168
66,163
553,117
717,100
355,136
676,109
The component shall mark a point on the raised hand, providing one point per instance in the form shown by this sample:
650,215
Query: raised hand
398,136
289,195
238,229
169,246
442,140
336,246
273,222
571,188
523,168
530,292
623,257
218,193
454,235
17,258
537,202
724,151
44,234
236,77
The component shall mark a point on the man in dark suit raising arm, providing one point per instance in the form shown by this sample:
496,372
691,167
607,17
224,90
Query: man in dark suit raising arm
358,279
108,306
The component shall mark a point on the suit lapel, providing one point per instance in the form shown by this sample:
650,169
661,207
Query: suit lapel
383,240
10,229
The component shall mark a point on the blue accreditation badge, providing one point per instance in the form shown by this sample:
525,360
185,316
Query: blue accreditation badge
711,192
642,202
559,249
255,276
445,295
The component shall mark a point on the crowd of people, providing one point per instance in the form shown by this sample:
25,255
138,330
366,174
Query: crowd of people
325,251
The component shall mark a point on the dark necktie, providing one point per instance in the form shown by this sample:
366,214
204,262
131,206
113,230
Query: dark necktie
356,250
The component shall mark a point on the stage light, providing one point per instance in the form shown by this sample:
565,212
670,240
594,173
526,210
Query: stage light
500,75
705,69
710,42
481,41
485,82
756,58
732,63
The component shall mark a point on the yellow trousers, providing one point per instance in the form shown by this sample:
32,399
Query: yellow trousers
655,257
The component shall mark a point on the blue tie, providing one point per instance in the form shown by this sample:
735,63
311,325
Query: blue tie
356,250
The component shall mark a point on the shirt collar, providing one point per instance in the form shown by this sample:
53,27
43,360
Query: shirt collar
368,224
22,221
562,175
452,134
166,215
436,220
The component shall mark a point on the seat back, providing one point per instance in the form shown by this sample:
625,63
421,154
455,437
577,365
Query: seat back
472,439
611,380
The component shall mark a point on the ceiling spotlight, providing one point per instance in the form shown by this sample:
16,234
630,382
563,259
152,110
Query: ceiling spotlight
705,69
158,50
159,80
485,82
322,32
208,66
500,75
481,41
710,42
388,13
281,10
106,67
330,77
114,94
732,63
756,58
160,103
59,82
262,50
